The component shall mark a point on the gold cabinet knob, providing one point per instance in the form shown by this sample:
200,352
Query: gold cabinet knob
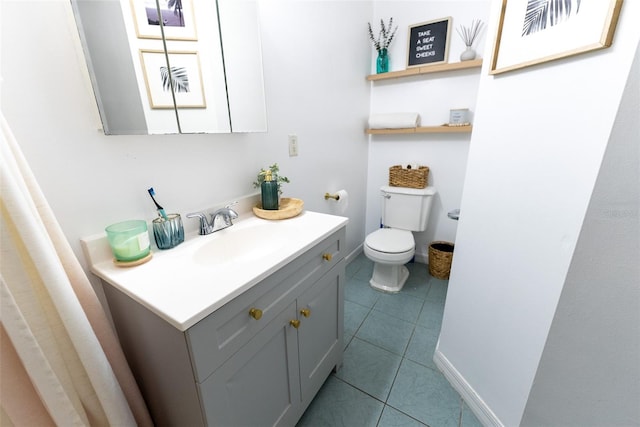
256,313
295,323
327,257
305,312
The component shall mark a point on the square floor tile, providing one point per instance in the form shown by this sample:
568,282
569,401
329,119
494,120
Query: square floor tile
352,268
338,404
354,315
400,305
346,340
416,286
386,331
431,315
419,270
468,418
365,271
437,290
393,418
358,291
422,346
425,395
369,368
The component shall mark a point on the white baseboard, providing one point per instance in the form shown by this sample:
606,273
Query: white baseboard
354,254
483,413
421,257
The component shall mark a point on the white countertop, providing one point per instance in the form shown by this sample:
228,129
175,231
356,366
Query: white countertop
187,283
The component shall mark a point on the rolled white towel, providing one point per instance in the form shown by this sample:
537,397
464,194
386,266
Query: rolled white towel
394,121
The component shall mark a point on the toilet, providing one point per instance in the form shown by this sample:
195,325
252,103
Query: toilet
404,210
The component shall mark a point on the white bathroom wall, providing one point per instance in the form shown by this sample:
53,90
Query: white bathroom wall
589,373
315,58
538,143
432,96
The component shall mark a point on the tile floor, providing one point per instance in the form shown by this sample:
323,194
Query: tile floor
388,377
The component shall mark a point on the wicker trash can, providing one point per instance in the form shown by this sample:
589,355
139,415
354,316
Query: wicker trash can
440,256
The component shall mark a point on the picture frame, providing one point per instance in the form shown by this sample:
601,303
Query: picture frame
428,42
185,73
524,38
179,19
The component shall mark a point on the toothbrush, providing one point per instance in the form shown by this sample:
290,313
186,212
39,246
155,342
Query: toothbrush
160,208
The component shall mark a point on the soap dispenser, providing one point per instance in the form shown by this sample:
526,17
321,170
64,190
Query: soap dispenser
269,189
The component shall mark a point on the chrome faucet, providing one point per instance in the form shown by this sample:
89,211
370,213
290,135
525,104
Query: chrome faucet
220,219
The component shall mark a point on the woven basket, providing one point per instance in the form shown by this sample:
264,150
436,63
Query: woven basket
412,178
440,257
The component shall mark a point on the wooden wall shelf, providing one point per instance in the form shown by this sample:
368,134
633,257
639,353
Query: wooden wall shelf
424,129
427,69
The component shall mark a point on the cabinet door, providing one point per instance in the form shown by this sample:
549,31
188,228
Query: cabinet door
259,385
320,331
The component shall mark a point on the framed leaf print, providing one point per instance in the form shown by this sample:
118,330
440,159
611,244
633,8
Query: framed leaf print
534,31
180,78
177,19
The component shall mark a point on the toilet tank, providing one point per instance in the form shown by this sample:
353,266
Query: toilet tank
406,208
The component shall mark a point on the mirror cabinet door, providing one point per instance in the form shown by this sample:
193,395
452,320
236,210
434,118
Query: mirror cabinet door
163,75
243,64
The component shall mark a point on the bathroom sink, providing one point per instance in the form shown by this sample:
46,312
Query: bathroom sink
241,245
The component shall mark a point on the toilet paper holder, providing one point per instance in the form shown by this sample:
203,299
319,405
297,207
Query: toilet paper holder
328,196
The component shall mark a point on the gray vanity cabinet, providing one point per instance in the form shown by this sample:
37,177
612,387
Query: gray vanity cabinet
257,361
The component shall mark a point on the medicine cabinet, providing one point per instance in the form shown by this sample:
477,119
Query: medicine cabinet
198,69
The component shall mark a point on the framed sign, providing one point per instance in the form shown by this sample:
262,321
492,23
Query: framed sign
185,77
534,31
428,42
177,19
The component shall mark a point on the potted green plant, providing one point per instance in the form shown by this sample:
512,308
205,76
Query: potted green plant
275,174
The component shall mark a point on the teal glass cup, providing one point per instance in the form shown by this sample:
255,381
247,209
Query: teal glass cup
169,232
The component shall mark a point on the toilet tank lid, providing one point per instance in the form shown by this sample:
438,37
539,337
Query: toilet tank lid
427,191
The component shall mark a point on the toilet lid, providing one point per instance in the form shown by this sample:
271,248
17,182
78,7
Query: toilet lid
390,240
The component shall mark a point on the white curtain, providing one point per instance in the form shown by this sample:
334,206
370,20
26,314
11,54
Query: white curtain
61,363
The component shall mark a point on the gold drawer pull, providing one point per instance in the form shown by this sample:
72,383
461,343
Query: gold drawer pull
295,323
305,312
256,313
327,257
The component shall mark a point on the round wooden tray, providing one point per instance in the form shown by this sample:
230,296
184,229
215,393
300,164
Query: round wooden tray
289,208
133,263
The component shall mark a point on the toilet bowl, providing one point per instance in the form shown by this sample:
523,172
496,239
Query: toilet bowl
404,210
389,249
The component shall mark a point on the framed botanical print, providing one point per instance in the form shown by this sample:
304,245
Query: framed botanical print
534,31
181,79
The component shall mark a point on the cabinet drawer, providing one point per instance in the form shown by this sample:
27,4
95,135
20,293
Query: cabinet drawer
218,336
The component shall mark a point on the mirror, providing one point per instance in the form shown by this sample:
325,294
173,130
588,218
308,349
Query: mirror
196,70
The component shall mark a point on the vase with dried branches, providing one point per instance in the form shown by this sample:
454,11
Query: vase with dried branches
469,35
381,43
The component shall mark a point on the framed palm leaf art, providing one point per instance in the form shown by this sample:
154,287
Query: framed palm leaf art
534,31
180,78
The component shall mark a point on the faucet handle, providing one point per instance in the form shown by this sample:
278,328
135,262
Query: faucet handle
232,213
204,225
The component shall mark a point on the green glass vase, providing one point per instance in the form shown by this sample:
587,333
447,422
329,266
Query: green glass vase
382,63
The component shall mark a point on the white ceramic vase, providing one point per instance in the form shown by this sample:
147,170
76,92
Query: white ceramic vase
468,54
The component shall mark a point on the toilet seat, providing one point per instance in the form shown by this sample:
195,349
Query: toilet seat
390,246
391,241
